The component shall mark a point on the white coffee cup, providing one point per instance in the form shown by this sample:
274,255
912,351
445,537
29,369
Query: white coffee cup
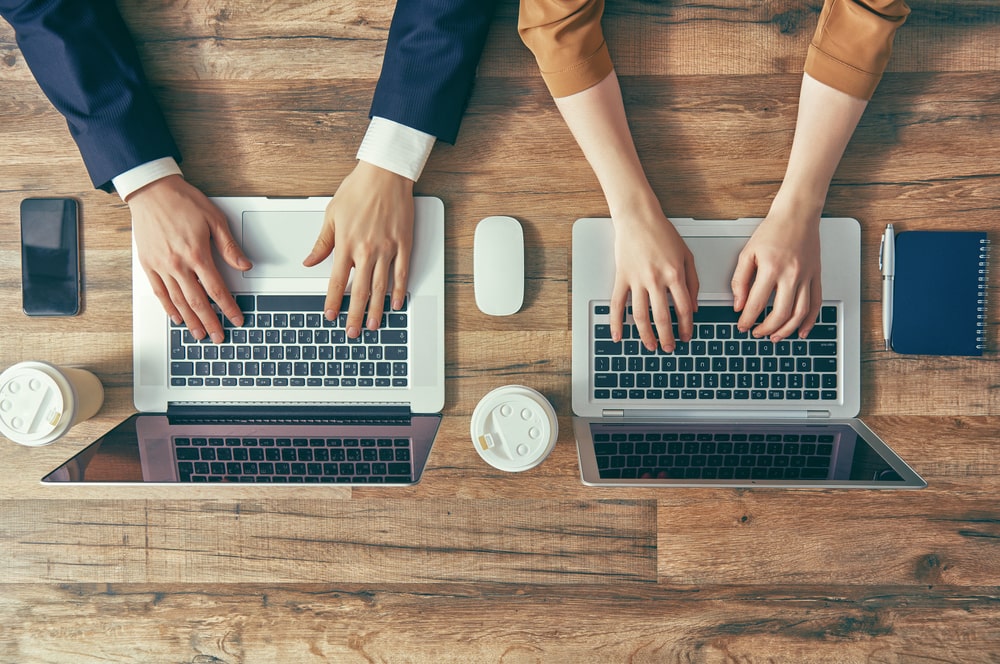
514,428
39,402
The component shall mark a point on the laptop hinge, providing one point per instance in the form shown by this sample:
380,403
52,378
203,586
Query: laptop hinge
613,412
281,413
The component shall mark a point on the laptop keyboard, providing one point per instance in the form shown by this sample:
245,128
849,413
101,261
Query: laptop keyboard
294,460
723,456
286,342
720,363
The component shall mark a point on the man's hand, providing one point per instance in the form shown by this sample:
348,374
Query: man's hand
175,226
783,257
651,260
370,222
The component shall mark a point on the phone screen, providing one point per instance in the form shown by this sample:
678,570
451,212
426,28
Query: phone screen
50,264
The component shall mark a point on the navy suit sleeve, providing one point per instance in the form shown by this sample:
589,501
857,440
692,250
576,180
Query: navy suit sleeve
430,63
83,57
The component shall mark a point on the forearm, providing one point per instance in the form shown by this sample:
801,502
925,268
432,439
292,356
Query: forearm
430,63
84,60
596,117
826,121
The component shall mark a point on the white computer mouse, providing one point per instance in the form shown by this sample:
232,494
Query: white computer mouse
498,266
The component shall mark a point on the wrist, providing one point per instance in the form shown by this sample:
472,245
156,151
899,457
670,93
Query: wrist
381,177
798,202
152,187
640,202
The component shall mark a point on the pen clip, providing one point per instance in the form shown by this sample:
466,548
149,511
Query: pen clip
881,250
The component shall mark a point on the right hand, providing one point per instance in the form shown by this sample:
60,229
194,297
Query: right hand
370,221
175,226
652,260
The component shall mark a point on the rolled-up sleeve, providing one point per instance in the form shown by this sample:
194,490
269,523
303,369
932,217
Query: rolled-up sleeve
853,42
567,41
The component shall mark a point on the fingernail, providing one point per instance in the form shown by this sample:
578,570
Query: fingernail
353,331
397,304
176,320
244,263
197,333
372,324
668,349
330,314
217,337
238,321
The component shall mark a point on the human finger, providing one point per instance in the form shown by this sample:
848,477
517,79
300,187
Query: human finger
227,246
160,291
191,320
199,301
335,288
618,298
360,292
215,287
376,304
746,266
324,242
760,293
640,316
782,311
400,276
661,318
684,306
693,284
815,305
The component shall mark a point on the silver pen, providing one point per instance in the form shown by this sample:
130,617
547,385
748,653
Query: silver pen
887,265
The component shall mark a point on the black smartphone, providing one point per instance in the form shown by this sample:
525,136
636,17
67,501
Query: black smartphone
50,257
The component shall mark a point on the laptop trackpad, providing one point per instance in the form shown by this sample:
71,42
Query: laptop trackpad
715,259
277,242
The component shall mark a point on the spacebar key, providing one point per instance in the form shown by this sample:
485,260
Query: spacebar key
280,303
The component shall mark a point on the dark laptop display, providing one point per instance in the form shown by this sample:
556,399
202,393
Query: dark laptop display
842,454
305,449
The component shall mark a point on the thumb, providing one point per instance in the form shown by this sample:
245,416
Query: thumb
742,277
228,247
323,246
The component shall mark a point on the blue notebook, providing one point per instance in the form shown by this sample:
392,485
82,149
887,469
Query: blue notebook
939,292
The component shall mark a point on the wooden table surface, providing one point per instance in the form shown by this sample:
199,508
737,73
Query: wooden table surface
474,564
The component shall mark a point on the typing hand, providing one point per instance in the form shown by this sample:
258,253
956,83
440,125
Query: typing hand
782,256
175,226
370,221
651,260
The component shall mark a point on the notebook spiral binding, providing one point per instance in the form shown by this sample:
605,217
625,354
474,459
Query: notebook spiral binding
982,300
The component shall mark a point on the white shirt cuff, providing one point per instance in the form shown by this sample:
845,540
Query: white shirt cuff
136,178
396,147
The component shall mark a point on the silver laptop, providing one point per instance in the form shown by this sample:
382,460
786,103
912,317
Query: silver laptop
724,409
287,398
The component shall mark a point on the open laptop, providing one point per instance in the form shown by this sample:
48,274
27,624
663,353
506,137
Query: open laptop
724,409
287,398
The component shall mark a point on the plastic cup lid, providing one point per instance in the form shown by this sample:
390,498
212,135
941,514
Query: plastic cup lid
514,428
33,398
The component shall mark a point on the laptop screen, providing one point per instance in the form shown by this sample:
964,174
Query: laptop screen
156,448
841,454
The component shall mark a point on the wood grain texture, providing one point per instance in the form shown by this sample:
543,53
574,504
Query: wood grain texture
293,540
499,623
474,564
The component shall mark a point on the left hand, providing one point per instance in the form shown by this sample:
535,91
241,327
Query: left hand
783,257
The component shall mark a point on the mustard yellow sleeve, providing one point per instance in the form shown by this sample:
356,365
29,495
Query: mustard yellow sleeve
853,42
567,41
